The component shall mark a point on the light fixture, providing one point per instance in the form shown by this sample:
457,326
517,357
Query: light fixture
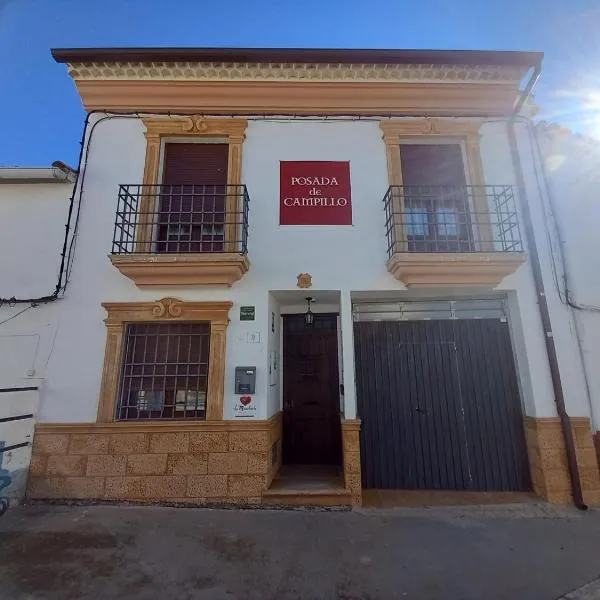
308,315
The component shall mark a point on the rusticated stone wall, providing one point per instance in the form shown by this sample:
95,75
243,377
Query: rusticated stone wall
199,462
351,449
548,459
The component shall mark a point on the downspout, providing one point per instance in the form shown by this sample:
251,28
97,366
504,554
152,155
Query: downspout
534,258
537,71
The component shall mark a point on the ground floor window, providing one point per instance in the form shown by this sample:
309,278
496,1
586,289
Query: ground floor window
164,371
163,360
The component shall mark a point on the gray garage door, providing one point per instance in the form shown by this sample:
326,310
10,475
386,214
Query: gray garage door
438,398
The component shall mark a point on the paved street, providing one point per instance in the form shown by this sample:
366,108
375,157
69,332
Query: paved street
531,551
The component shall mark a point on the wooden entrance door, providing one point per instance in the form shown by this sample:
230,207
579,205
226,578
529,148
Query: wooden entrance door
311,398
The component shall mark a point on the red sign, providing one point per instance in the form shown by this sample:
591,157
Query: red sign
315,193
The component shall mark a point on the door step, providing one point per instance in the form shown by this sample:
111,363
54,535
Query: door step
303,497
308,485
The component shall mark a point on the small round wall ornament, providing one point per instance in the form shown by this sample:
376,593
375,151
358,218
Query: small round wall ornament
304,280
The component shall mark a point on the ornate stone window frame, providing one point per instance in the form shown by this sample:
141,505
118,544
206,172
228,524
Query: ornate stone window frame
165,310
484,267
197,127
467,132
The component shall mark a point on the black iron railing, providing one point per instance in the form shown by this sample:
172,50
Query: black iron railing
422,218
174,219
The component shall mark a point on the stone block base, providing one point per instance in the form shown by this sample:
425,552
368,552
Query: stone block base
198,462
351,450
548,459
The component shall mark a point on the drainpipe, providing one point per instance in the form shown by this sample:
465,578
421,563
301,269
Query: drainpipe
537,71
534,258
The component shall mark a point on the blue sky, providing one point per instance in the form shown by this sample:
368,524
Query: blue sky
41,116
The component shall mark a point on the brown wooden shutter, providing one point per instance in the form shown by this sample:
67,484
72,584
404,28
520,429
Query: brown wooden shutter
435,198
199,164
193,196
432,164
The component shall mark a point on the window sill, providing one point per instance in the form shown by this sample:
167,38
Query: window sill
147,270
453,268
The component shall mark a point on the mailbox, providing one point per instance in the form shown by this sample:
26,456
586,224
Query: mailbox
245,380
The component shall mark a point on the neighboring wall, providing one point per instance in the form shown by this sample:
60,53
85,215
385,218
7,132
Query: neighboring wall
573,168
17,415
32,229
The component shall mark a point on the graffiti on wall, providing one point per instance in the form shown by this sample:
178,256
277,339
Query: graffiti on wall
5,480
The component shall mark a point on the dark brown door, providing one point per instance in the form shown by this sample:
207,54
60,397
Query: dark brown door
193,198
311,399
435,199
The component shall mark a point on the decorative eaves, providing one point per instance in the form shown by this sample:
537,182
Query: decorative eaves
218,71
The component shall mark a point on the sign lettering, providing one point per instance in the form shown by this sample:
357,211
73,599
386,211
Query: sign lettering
315,193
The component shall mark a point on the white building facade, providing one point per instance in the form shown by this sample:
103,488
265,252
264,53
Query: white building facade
222,196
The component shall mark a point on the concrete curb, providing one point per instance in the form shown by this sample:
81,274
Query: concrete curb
590,591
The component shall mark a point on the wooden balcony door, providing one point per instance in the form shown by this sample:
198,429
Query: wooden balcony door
436,209
193,198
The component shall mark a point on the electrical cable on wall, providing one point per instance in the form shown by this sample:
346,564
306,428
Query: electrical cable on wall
549,210
70,239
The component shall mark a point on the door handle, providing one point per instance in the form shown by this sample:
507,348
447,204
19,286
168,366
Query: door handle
420,410
341,389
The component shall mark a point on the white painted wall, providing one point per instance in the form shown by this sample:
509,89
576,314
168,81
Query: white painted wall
573,169
344,259
32,217
32,227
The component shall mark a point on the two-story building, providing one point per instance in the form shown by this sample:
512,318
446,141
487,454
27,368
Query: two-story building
299,274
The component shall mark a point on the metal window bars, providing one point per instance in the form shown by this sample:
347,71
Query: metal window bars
182,218
424,218
164,373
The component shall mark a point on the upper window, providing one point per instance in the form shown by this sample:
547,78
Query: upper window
191,208
165,371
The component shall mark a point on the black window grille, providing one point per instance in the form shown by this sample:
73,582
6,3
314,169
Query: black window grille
165,371
444,218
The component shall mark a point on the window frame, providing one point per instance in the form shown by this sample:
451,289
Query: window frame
120,314
466,133
192,129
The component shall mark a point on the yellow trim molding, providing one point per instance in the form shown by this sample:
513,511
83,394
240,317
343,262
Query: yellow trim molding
453,268
299,97
147,270
167,309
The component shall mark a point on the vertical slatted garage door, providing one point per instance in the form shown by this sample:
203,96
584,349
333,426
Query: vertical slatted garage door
439,404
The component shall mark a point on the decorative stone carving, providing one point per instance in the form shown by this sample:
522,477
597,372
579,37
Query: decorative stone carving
195,124
194,71
304,280
167,307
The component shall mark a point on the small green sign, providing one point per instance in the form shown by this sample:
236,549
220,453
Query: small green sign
247,313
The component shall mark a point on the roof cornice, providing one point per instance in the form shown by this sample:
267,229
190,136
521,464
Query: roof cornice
299,55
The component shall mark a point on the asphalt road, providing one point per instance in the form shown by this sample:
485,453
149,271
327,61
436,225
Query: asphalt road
529,552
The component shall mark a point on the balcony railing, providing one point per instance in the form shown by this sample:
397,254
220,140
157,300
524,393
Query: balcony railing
451,219
181,219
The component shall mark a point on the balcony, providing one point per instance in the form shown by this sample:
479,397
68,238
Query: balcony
452,235
181,235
